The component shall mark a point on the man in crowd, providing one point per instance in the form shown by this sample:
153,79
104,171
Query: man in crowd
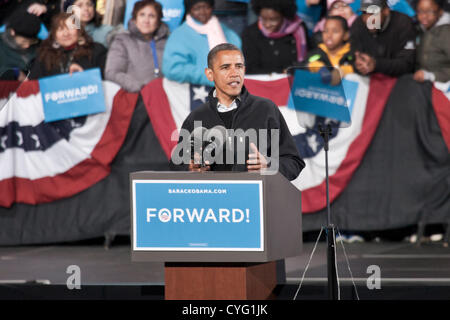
18,45
383,40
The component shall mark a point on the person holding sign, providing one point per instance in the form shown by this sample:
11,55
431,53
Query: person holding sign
231,107
135,56
187,47
68,49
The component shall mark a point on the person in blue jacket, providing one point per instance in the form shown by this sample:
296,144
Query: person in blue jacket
184,58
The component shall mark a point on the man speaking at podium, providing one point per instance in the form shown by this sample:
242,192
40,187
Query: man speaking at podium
245,123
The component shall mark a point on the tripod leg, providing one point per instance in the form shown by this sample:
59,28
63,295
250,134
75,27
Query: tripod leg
331,256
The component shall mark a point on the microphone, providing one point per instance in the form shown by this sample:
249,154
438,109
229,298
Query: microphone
330,76
216,138
197,141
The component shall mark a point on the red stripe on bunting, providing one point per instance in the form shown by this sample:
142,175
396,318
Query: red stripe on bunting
83,175
441,106
28,88
7,87
313,199
276,90
158,109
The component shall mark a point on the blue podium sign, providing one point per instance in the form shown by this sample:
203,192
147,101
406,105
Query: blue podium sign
68,96
193,215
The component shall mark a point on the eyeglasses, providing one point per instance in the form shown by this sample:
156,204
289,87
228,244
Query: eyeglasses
338,5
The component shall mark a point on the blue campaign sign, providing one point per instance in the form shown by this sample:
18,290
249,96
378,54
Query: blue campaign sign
68,96
311,94
173,11
186,215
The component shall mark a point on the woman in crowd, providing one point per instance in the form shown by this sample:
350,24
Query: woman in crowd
67,49
90,20
135,56
188,46
335,8
433,50
277,40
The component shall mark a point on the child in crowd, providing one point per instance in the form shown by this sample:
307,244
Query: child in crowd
433,43
335,8
334,51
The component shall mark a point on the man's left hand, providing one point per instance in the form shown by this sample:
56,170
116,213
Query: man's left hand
256,161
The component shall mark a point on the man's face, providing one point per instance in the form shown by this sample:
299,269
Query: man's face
23,42
227,73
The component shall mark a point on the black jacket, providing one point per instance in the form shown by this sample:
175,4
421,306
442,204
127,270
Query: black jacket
96,60
253,113
264,55
392,48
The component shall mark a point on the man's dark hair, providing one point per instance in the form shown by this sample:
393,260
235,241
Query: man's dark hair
221,47
287,8
341,20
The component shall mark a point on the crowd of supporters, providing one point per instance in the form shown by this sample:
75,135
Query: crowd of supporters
84,34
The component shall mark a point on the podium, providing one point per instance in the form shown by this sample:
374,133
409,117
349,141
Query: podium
218,233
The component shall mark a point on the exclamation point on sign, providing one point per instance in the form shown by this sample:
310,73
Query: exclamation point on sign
247,213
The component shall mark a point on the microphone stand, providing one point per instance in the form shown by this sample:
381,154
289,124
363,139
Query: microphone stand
325,133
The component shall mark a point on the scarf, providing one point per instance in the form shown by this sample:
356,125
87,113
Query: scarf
212,29
293,27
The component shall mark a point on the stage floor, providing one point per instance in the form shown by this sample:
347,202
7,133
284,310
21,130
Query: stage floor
407,271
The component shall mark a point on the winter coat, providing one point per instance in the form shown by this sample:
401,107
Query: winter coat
265,55
14,57
433,51
254,113
96,60
392,47
321,57
185,56
130,59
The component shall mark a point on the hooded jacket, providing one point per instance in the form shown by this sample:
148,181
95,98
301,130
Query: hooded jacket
130,59
12,56
433,50
252,113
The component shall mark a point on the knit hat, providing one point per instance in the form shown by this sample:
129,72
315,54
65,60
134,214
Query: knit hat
188,4
365,4
68,3
24,24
